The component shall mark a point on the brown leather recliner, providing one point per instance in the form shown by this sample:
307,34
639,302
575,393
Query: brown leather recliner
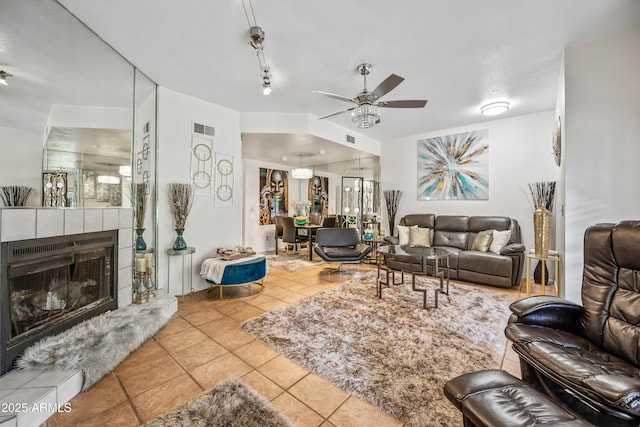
589,356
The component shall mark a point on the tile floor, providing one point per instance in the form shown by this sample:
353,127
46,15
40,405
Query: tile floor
203,345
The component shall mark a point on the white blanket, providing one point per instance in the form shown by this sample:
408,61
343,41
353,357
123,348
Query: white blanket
213,268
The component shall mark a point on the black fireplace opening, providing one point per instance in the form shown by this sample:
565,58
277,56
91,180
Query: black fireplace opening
50,284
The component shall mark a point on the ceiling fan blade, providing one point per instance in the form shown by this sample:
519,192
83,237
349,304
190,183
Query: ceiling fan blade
403,104
336,113
386,86
334,96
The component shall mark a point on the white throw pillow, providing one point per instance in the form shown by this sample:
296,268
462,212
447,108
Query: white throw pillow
419,237
403,234
500,240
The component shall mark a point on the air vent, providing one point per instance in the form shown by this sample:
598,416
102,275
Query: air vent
204,129
351,139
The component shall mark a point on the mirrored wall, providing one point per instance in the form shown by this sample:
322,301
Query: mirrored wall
87,109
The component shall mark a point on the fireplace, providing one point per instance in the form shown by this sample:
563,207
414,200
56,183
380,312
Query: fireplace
51,284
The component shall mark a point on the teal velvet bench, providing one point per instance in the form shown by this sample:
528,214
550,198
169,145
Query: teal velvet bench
245,273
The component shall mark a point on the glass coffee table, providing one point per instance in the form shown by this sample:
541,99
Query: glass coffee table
414,260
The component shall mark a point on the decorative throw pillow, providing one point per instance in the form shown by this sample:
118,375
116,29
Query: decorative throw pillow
419,237
403,234
500,240
483,241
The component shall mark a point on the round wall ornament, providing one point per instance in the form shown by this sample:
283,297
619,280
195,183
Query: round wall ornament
556,142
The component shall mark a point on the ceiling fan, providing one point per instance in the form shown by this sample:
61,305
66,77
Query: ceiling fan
366,112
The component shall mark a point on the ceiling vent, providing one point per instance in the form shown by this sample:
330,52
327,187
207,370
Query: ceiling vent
203,129
351,139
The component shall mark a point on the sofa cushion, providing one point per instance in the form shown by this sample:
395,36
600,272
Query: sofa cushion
482,241
419,236
485,263
451,231
499,240
403,234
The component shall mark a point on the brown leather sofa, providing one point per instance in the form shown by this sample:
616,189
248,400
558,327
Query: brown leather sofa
456,234
589,356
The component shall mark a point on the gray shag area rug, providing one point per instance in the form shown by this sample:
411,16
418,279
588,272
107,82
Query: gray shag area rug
230,403
97,345
390,352
292,262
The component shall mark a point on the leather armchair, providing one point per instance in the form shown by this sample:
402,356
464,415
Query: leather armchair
588,356
340,245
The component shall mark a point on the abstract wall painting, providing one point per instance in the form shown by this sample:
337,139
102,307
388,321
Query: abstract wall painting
454,167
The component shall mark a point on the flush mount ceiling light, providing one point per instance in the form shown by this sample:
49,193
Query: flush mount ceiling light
3,77
494,108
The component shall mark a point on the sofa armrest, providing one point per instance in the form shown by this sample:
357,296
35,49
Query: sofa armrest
513,248
545,310
393,240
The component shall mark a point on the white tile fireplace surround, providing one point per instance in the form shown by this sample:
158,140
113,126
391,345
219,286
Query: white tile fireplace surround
29,397
35,223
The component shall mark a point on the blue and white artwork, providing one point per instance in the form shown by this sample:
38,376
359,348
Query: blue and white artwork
454,167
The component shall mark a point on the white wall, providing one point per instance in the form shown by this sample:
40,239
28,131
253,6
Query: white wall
21,161
602,141
208,227
519,153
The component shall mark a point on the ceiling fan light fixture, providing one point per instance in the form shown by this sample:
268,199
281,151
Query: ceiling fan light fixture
366,115
494,108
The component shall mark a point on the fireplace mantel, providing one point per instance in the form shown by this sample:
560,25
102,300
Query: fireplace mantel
33,223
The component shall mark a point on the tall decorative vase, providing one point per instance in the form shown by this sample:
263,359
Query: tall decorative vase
179,244
541,230
141,245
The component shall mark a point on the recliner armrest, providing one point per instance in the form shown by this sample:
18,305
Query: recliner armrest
546,310
513,248
394,240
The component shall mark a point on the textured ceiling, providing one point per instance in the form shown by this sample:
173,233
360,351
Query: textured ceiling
458,54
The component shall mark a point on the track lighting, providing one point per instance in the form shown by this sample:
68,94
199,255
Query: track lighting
266,83
3,77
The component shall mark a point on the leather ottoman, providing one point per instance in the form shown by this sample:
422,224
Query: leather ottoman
496,398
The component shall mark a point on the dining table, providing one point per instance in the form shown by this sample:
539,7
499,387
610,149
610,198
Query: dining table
311,233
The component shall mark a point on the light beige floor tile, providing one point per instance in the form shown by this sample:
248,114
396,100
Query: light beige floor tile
199,354
218,327
212,373
177,342
140,378
203,316
356,413
106,394
119,416
165,397
299,413
247,312
319,394
255,353
234,339
262,385
175,324
283,371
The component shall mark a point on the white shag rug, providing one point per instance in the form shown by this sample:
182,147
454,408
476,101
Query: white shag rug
390,352
97,345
